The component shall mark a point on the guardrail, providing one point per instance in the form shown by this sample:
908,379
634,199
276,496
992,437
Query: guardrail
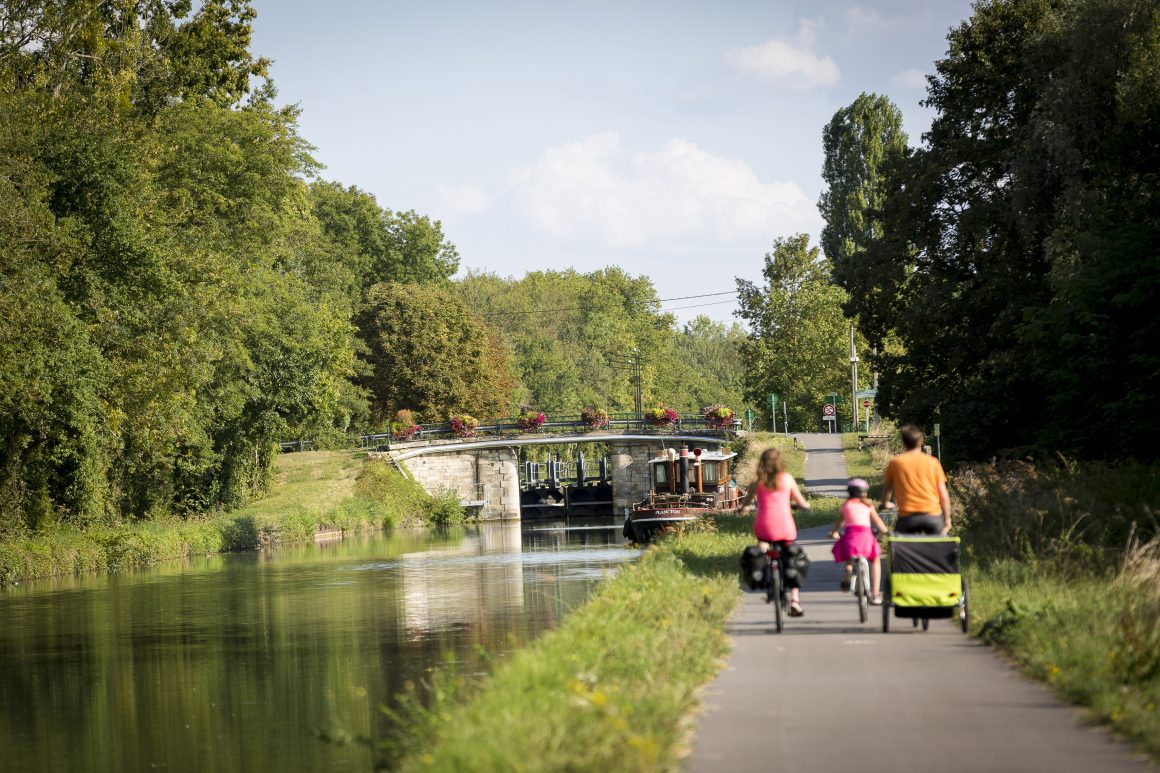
553,425
555,428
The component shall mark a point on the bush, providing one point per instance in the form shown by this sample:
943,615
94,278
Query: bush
1078,517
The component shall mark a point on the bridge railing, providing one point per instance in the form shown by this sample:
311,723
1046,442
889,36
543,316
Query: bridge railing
555,425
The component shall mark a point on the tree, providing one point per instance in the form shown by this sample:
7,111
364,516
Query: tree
1029,221
798,343
429,353
370,245
860,142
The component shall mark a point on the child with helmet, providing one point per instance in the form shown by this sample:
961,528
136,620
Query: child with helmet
856,537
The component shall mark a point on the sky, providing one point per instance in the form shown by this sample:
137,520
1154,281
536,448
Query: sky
674,139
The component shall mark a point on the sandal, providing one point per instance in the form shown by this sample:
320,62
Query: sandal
845,585
795,609
876,600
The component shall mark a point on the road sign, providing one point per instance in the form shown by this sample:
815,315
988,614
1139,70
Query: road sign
865,403
828,411
866,393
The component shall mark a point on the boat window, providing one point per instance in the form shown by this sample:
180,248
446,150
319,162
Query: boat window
709,471
660,473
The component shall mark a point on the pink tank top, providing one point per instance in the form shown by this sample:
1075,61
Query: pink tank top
854,513
774,520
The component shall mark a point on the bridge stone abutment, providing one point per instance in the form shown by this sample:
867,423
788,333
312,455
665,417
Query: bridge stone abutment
490,474
629,463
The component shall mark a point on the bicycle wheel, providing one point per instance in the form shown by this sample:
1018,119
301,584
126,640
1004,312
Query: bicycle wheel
886,604
965,609
777,595
862,592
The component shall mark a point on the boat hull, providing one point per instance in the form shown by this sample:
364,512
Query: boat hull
644,521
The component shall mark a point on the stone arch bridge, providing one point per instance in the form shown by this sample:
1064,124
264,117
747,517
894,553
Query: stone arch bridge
485,471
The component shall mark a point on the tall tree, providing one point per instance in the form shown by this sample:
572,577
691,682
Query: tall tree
428,352
798,344
371,245
1030,222
860,143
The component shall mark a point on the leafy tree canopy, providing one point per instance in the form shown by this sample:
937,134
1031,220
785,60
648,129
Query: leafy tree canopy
798,346
1022,237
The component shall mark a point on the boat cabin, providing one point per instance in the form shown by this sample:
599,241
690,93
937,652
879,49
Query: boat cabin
707,472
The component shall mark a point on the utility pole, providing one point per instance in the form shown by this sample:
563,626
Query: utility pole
633,366
853,377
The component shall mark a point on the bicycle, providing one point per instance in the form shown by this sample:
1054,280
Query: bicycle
776,592
861,585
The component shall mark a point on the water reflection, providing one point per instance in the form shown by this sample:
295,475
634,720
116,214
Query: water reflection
235,662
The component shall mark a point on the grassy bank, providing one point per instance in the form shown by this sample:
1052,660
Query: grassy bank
612,687
311,491
1064,567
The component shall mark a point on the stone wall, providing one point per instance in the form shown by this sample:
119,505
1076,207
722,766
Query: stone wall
464,471
630,480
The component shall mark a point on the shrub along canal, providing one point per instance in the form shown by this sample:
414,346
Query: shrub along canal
240,661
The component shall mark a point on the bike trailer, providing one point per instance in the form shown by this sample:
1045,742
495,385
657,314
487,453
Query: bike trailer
924,577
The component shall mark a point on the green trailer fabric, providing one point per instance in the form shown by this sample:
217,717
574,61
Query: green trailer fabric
924,571
925,590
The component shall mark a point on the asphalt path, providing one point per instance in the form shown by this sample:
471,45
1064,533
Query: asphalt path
830,693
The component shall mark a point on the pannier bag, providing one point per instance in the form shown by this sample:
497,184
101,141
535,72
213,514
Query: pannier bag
753,563
797,565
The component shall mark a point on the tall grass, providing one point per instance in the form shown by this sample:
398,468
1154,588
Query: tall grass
1073,517
1095,641
325,490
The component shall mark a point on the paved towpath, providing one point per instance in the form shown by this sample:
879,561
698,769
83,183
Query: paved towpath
830,693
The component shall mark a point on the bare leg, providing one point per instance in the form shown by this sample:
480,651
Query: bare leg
876,576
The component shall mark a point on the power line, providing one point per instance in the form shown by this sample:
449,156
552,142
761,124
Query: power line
698,305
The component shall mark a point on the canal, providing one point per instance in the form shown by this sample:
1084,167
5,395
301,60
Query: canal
240,662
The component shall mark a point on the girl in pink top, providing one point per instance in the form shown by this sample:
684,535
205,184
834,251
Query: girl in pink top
857,539
773,488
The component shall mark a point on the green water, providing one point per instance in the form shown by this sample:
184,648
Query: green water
236,663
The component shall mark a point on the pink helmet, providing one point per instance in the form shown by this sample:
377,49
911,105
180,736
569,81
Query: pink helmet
858,487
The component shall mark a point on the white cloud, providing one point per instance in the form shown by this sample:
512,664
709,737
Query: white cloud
463,199
908,80
679,198
787,61
862,20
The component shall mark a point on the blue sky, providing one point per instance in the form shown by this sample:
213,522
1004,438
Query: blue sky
673,139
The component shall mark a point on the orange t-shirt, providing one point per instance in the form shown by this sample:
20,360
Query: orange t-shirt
915,477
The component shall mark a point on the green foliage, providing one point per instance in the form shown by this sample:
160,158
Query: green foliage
1018,258
428,352
368,245
578,698
798,346
313,490
1092,641
566,330
860,143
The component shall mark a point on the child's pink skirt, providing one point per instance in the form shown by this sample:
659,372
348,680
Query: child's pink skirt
856,541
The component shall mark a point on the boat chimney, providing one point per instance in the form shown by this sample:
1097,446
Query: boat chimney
684,469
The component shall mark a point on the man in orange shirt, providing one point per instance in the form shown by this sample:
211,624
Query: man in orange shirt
917,481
